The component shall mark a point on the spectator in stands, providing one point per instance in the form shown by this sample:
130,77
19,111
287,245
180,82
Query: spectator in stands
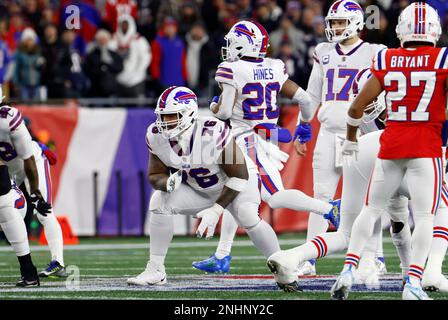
295,64
294,12
32,13
102,66
114,9
28,67
202,58
263,16
75,81
244,9
189,15
287,32
16,26
136,54
52,52
275,10
5,59
168,66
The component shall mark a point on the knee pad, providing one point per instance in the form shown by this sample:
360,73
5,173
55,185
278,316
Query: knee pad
156,203
5,181
246,215
161,220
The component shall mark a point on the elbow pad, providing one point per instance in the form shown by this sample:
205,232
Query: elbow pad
5,181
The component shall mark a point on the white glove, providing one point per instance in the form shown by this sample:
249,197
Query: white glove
174,181
349,151
210,218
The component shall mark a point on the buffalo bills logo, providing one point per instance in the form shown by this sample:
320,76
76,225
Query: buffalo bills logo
241,30
184,97
352,6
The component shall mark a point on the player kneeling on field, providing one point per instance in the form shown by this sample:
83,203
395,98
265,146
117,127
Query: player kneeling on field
197,169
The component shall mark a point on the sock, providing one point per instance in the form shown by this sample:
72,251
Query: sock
53,233
379,245
25,261
264,238
15,232
297,200
421,244
439,242
401,239
228,230
371,247
161,230
316,225
362,230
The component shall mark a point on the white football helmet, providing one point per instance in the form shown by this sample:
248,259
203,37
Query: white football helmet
180,101
245,39
418,22
350,11
373,110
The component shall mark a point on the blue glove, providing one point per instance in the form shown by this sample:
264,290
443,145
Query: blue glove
213,102
303,132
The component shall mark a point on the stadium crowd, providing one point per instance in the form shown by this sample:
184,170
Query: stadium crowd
134,48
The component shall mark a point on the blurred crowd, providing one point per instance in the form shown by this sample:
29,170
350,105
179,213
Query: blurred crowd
137,48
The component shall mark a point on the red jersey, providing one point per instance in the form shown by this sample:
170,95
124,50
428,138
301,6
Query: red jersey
415,84
113,9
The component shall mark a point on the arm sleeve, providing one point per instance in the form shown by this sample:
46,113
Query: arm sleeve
379,66
314,91
227,101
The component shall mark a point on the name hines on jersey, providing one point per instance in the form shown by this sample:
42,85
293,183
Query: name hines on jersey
263,74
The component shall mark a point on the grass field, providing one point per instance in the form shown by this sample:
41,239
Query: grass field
105,264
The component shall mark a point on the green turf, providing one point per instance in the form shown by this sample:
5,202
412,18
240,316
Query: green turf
119,263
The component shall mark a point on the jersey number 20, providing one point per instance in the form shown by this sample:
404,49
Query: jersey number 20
253,107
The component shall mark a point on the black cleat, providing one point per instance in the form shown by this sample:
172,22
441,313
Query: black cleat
28,282
290,287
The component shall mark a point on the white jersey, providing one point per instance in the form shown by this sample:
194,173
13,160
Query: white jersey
258,83
200,161
332,78
16,143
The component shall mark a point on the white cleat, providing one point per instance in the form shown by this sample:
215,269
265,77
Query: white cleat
434,282
306,269
381,266
414,293
342,286
151,276
368,274
284,269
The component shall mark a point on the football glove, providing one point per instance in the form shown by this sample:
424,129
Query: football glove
40,205
213,102
209,220
51,156
303,132
174,181
349,151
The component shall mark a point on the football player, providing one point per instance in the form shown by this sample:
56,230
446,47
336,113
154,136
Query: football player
354,190
336,64
415,78
26,162
12,213
250,85
196,169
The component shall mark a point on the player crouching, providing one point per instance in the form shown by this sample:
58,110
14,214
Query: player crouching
196,169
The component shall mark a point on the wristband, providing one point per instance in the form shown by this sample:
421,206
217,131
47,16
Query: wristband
352,121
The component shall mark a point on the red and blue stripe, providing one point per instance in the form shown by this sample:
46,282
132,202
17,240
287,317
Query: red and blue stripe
415,271
321,246
438,179
352,259
16,121
164,97
440,232
264,43
48,182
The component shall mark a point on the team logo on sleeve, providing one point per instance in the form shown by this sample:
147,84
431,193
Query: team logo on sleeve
242,30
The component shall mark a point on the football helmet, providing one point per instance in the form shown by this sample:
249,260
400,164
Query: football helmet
180,101
374,109
245,39
418,22
350,11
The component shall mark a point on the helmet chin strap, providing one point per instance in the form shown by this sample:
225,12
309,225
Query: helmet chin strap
184,137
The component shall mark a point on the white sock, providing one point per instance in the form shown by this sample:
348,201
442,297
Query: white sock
299,201
161,229
53,233
379,238
421,244
402,242
228,230
316,225
15,232
439,242
264,238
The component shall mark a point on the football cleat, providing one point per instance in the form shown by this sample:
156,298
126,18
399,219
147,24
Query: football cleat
54,269
284,270
368,273
342,286
29,277
307,268
434,282
28,282
381,266
151,276
213,264
411,292
333,216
